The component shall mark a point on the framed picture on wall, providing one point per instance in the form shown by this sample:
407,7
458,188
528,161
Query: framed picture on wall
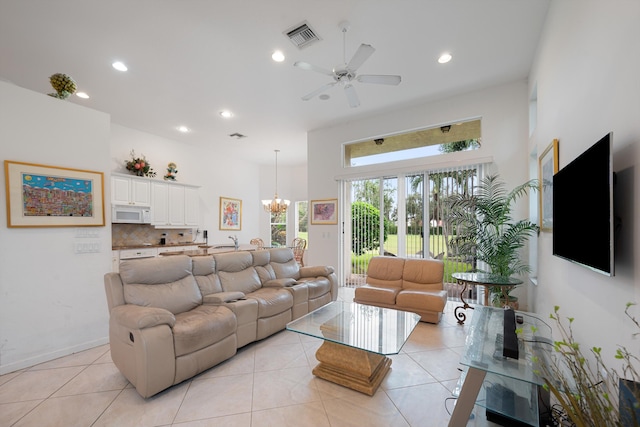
230,214
547,167
324,211
53,196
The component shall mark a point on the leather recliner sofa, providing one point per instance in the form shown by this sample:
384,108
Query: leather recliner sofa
407,284
174,317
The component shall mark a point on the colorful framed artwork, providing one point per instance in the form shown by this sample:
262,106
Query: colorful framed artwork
324,211
230,214
547,167
52,196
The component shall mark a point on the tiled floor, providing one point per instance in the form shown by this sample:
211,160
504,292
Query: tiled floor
268,383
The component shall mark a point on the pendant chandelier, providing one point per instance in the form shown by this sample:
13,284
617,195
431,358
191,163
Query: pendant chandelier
277,205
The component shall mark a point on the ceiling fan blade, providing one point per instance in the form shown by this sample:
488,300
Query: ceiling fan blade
362,54
352,96
318,91
310,67
379,79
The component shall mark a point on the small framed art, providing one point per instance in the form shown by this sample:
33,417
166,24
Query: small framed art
547,167
230,214
324,211
52,196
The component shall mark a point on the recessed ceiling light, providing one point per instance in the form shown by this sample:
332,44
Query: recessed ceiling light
277,56
226,114
82,95
324,96
444,58
183,129
119,66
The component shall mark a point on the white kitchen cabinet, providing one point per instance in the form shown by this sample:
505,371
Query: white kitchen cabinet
174,205
160,203
191,206
129,190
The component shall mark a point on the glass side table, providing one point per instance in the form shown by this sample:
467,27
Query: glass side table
507,388
483,279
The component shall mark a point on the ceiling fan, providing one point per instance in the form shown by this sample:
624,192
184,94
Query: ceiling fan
345,73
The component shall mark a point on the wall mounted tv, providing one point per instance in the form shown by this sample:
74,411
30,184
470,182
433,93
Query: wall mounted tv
583,219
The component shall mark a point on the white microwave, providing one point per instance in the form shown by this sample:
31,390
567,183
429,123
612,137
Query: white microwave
130,214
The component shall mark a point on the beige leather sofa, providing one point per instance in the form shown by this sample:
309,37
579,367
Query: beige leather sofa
174,317
414,285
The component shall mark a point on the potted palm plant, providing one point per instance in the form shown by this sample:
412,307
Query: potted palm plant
486,231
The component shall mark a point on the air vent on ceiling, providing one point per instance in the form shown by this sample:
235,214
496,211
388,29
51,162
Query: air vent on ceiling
237,135
302,35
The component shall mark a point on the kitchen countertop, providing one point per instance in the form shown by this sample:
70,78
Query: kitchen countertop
210,249
140,246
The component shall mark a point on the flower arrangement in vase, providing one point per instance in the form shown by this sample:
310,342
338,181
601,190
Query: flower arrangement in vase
139,165
171,172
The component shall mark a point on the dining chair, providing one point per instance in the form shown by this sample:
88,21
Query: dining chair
299,245
257,242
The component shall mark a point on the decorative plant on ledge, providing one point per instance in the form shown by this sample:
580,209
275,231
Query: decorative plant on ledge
139,165
485,230
589,395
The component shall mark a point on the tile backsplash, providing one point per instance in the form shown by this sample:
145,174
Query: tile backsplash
139,234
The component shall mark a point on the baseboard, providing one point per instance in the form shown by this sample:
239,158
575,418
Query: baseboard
41,358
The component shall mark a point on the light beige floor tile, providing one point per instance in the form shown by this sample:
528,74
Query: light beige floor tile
95,378
280,338
272,389
215,397
280,357
31,385
105,358
85,357
239,420
68,411
425,336
423,406
405,372
12,412
242,363
308,414
131,410
443,364
362,410
7,377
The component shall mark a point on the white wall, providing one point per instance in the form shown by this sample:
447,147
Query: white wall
587,75
504,113
52,300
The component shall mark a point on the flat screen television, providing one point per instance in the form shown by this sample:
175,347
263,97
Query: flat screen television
583,218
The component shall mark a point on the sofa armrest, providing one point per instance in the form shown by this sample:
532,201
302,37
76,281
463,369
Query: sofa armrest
279,283
222,297
137,317
315,271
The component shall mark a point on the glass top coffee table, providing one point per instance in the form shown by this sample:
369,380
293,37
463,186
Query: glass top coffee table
357,339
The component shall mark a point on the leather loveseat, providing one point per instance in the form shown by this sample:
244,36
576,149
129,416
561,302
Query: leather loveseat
174,317
414,285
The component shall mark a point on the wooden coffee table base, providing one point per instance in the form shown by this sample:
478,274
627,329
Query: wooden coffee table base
350,367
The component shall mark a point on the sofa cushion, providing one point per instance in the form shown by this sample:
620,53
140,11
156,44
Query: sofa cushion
422,300
272,301
368,294
385,271
204,268
317,286
202,327
283,263
161,282
426,274
244,281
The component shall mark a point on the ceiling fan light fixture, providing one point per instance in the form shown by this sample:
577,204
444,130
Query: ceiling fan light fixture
276,205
